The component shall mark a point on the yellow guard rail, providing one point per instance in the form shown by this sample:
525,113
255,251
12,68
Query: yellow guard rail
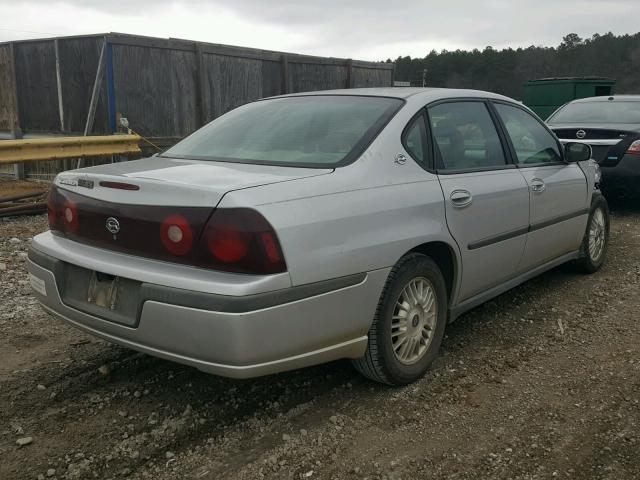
61,148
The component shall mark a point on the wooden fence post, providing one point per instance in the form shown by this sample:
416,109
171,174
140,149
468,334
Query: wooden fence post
202,105
284,70
349,73
16,132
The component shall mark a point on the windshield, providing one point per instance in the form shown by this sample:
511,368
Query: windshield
311,131
598,112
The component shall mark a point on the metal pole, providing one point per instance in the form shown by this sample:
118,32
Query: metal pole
59,83
95,94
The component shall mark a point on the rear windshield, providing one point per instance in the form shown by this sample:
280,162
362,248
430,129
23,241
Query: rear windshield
310,131
598,112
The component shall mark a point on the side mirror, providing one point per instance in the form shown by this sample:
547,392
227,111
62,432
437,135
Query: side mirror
577,152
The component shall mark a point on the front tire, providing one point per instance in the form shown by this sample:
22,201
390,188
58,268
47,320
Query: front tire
409,323
596,239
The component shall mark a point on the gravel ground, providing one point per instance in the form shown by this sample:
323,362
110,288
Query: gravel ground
543,382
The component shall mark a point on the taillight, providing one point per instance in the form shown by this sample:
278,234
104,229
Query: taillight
62,213
241,240
176,235
70,216
236,240
634,148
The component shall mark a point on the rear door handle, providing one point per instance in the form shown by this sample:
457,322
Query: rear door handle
461,198
537,185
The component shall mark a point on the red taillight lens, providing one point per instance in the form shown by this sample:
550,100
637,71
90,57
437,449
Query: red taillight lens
69,217
62,213
176,235
237,240
227,244
241,240
634,148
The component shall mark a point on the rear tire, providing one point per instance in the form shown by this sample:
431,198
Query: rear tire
596,238
409,323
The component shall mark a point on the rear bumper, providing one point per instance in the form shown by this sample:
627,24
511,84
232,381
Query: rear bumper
623,179
235,338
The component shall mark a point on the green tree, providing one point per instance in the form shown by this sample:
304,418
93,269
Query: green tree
505,71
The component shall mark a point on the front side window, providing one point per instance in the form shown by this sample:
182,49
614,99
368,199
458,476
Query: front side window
532,142
310,131
465,137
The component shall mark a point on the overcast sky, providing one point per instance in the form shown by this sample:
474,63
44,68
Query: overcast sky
362,29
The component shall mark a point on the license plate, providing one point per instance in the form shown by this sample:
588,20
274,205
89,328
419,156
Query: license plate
103,290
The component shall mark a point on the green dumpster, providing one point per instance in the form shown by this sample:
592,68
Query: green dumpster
545,95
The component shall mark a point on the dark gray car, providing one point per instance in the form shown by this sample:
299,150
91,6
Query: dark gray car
611,125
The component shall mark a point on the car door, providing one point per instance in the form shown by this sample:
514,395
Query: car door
558,193
487,199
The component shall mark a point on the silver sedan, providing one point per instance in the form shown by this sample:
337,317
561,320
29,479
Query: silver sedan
306,228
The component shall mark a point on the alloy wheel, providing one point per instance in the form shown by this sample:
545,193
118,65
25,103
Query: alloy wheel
597,235
414,320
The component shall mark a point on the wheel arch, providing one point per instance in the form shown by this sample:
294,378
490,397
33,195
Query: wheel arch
446,257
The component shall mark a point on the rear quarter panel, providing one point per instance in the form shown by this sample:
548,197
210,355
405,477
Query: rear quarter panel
362,217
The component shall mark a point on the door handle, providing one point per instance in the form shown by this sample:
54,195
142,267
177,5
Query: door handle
538,185
461,198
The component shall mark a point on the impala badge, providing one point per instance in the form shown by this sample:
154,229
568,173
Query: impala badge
85,182
400,159
113,226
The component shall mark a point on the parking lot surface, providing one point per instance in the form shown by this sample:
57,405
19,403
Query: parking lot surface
542,382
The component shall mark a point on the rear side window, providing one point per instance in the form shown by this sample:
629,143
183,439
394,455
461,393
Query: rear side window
532,142
310,131
465,137
415,140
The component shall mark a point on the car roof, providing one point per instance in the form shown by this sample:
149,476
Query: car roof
609,98
430,94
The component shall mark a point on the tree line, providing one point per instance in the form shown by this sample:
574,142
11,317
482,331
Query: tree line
505,71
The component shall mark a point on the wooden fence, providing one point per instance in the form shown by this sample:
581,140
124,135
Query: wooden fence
166,88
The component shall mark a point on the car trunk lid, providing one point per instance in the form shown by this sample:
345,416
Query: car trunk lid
167,181
600,137
130,206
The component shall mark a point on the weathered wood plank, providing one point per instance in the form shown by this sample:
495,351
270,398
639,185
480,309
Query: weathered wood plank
203,114
78,67
184,93
8,91
231,82
284,74
37,85
95,91
156,89
306,77
363,77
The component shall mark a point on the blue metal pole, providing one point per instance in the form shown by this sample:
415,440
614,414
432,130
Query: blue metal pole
111,91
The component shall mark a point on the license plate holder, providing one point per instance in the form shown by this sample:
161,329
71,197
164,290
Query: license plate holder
103,290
